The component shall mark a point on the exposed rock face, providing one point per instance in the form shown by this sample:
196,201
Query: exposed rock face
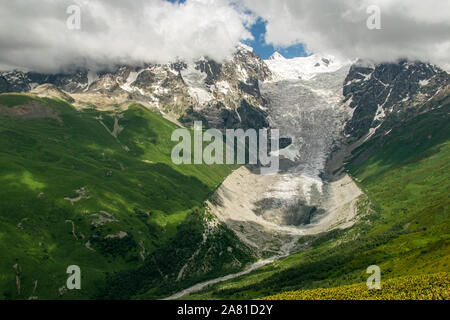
17,81
375,92
228,94
52,91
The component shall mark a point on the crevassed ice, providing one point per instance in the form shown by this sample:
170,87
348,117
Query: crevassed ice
305,103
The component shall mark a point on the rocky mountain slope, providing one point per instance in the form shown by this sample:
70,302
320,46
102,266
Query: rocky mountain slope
224,95
379,92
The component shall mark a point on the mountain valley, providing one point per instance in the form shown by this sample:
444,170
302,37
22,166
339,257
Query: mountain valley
87,178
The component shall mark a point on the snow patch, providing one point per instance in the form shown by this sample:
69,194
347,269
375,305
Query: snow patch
244,47
195,80
223,87
92,77
34,85
303,68
132,77
277,56
242,73
201,95
380,115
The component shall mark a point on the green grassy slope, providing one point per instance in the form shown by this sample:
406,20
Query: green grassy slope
423,287
404,220
126,185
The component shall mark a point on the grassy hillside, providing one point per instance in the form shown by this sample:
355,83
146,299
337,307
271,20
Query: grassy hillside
97,190
404,222
424,287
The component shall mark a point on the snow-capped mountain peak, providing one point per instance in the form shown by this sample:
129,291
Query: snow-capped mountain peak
304,68
277,56
242,46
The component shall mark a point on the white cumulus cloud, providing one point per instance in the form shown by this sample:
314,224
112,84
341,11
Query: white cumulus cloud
414,29
34,35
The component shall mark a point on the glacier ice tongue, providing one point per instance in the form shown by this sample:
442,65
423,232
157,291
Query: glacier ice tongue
305,104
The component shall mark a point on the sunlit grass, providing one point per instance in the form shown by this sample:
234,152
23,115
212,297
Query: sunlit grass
425,287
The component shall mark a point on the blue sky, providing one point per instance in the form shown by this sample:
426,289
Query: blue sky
259,45
265,50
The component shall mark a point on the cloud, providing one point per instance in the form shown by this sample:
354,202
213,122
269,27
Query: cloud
413,29
34,35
